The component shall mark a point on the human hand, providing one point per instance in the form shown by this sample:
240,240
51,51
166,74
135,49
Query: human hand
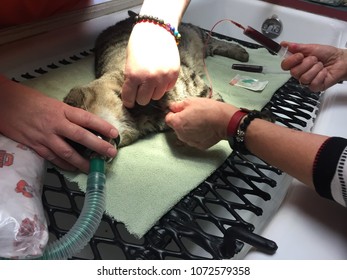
152,64
200,122
43,123
314,65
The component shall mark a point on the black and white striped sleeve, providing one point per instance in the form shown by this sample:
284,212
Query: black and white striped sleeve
330,170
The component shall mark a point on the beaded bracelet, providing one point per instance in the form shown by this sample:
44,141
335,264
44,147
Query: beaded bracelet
160,22
238,141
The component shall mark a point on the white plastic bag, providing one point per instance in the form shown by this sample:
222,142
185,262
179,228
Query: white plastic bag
23,226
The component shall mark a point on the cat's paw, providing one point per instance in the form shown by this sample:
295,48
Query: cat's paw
240,53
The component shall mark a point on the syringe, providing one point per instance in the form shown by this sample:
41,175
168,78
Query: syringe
268,43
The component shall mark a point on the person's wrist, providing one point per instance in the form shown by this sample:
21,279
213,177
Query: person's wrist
235,122
169,27
237,142
148,33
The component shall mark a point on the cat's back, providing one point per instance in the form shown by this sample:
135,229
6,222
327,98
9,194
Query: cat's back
110,46
191,34
191,46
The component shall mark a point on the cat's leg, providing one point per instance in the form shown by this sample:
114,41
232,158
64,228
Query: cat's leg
191,84
227,49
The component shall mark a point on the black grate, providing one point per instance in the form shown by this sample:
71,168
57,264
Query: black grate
185,231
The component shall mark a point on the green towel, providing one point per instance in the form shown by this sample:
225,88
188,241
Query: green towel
149,177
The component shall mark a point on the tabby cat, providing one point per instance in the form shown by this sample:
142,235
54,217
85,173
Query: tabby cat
102,96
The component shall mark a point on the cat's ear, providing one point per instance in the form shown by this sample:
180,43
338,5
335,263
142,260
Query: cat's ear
132,13
76,97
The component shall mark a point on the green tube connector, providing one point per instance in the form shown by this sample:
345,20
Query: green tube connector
97,164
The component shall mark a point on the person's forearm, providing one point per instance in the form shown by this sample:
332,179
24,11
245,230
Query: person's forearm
289,150
170,11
